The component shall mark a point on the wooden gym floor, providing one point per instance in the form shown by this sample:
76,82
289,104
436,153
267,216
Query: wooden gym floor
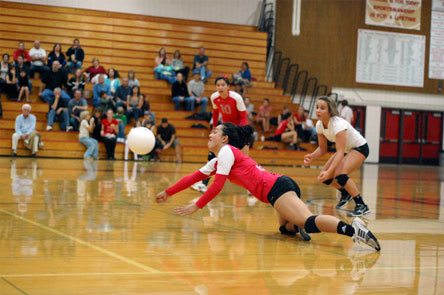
75,227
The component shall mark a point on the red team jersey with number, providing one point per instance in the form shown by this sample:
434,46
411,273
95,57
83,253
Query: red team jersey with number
232,109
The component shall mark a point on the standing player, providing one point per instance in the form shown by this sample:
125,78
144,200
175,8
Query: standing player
351,151
232,108
278,190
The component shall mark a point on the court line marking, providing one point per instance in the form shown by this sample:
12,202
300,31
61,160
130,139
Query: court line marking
84,243
192,272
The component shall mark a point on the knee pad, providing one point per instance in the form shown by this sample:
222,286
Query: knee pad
328,181
310,225
342,179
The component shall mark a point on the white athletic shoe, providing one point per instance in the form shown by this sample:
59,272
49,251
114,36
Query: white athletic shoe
199,186
364,235
48,128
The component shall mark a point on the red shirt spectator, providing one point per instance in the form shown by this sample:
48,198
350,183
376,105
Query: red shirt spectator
107,126
20,51
281,128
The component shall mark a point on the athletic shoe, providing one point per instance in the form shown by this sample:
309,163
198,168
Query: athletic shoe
345,198
199,186
364,235
360,210
48,128
304,235
69,128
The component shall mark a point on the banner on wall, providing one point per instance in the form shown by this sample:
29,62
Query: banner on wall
403,14
436,54
438,5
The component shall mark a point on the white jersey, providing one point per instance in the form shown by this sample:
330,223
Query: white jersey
336,124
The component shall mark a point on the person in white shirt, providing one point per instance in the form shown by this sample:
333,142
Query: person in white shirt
345,111
25,130
308,128
92,146
351,151
38,63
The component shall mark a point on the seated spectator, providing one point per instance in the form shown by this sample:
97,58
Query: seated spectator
10,85
134,105
38,60
96,121
5,71
113,80
345,111
20,66
178,65
58,110
146,108
77,82
23,85
163,69
249,108
21,51
309,129
149,123
286,113
286,133
75,56
92,73
121,118
101,86
87,127
196,89
109,134
122,93
243,77
264,114
201,65
162,58
56,55
25,130
132,80
55,78
76,106
166,134
299,117
106,101
179,92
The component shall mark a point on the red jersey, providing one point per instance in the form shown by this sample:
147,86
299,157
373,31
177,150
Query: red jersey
281,128
107,126
240,169
232,109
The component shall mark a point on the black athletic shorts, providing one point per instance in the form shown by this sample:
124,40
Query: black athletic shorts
363,149
282,185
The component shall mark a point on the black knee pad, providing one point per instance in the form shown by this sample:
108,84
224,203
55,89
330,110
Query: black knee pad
342,179
310,225
328,181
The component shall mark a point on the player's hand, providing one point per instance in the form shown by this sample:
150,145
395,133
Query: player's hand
186,210
162,197
325,175
307,159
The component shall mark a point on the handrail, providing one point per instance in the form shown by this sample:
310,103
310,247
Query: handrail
315,95
296,82
305,90
285,62
287,77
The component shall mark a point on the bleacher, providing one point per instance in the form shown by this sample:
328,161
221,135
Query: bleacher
131,42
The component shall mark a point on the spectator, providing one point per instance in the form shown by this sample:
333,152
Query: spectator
299,117
25,130
286,133
56,55
22,67
75,56
286,113
108,133
196,89
250,108
106,101
121,118
162,58
76,106
179,91
309,130
113,80
101,86
77,82
178,65
346,112
122,93
5,68
55,78
9,85
201,65
38,60
23,85
243,77
149,123
264,114
132,80
92,73
134,105
166,134
96,121
58,111
86,127
21,51
146,108
163,69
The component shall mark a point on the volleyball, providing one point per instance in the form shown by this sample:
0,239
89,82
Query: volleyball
141,140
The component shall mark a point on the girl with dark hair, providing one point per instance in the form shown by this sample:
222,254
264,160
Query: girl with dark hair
56,54
113,80
279,190
178,66
134,105
351,151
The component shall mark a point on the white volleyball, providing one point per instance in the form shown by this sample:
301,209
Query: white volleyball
141,140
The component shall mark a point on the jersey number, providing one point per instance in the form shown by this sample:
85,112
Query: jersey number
226,109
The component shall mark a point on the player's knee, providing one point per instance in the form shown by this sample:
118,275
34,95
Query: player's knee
328,181
342,179
310,225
